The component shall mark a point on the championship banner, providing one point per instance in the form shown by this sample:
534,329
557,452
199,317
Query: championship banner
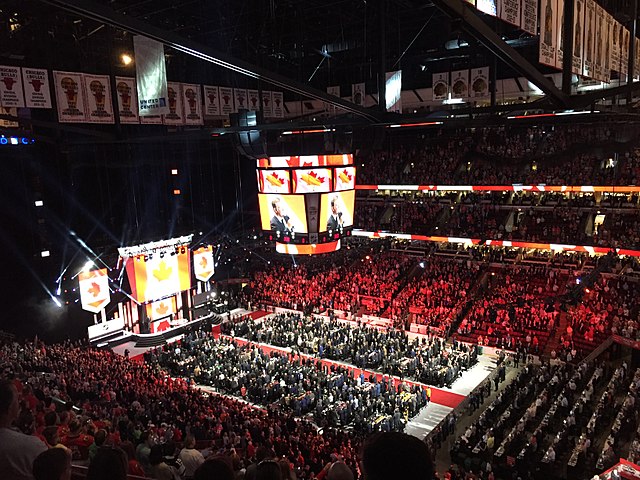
335,91
624,51
278,104
615,47
254,100
176,112
70,97
160,276
357,93
151,76
479,87
94,290
192,102
267,104
203,264
489,7
226,100
636,71
607,41
98,95
240,97
548,34
560,34
588,69
529,22
600,32
578,34
161,308
126,95
511,12
441,86
11,87
211,101
460,84
36,88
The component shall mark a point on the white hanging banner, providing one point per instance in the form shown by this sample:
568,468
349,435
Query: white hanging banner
253,101
176,112
607,45
151,76
578,34
126,95
267,104
278,104
529,22
203,264
548,36
226,100
440,86
393,91
460,84
589,39
240,97
211,101
357,93
98,95
11,87
192,101
37,93
70,97
601,28
559,34
94,290
489,7
624,52
510,11
479,85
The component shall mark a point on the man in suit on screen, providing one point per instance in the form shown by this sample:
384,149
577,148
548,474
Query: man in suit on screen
280,222
335,222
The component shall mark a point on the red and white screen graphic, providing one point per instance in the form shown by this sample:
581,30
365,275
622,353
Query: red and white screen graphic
94,290
312,180
345,179
203,265
306,161
161,308
274,181
159,276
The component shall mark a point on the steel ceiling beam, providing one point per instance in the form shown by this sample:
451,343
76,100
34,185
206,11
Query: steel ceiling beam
473,24
95,11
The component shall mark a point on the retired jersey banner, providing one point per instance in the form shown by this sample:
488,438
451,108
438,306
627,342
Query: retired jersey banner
36,88
588,57
98,95
548,36
203,265
176,112
601,29
161,308
240,97
441,86
151,76
192,101
460,84
624,52
607,45
254,100
70,97
560,34
267,104
578,36
211,101
357,93
94,290
159,276
278,104
529,22
226,100
11,87
126,95
479,83
510,11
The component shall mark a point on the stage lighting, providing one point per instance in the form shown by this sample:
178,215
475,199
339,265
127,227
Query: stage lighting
126,59
57,302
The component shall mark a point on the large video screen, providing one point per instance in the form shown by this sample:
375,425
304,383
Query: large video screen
336,211
283,213
159,274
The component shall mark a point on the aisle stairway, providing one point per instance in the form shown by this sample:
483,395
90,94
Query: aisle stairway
554,342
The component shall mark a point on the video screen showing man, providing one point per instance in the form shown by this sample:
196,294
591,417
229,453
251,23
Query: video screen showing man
280,220
335,221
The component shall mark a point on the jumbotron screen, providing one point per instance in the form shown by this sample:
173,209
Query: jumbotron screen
306,199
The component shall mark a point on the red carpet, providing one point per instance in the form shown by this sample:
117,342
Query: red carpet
438,396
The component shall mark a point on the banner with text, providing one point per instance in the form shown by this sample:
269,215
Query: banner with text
11,87
70,97
37,93
127,97
151,76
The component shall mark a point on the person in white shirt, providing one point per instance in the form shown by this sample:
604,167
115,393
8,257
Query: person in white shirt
191,458
17,450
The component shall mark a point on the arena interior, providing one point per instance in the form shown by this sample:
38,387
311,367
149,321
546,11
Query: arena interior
340,240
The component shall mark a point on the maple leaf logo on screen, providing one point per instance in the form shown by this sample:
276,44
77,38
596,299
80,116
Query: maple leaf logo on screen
345,176
95,289
162,308
274,180
203,262
293,161
162,272
313,179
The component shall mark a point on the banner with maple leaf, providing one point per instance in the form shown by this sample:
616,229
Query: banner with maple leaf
160,276
94,290
161,308
274,181
312,180
345,179
203,264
